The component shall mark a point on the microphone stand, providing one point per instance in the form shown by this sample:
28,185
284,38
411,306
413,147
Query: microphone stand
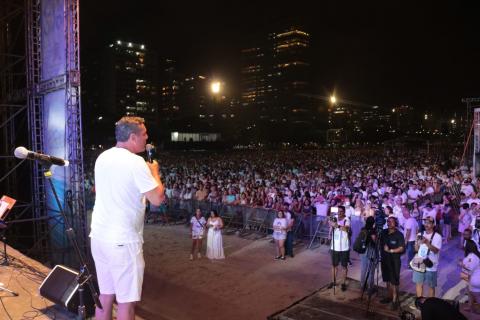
84,276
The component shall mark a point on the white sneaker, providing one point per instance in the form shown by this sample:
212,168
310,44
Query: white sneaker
191,256
199,255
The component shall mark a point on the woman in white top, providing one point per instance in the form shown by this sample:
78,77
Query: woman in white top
280,234
214,237
197,230
471,273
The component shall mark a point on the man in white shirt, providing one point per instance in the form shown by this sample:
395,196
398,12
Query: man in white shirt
467,187
122,181
413,193
340,246
428,244
410,230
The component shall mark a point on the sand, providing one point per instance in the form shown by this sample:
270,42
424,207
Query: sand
248,284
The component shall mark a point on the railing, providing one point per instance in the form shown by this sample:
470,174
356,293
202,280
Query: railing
247,221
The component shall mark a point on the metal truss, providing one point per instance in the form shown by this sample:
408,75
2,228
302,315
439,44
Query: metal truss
74,121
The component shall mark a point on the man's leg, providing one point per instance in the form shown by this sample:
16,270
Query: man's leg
289,244
431,292
419,289
126,311
395,293
107,303
345,271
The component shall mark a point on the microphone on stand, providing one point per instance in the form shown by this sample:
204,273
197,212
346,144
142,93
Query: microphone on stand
24,153
150,148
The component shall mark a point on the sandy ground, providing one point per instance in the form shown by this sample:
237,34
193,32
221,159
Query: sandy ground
248,284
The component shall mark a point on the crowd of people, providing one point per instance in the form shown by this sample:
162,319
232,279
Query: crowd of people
422,198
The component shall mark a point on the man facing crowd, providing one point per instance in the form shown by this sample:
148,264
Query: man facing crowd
340,246
393,244
122,181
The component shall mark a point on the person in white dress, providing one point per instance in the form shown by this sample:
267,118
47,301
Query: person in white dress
280,234
197,230
214,237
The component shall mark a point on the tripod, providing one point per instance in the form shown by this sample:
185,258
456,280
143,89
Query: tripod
84,275
5,259
3,228
373,256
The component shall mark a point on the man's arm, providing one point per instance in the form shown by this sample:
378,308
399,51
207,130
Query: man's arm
157,195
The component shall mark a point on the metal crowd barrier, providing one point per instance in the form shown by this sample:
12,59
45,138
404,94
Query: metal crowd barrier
248,221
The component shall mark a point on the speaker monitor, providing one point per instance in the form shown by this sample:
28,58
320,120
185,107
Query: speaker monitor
61,287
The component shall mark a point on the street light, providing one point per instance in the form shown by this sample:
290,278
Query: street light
333,99
215,87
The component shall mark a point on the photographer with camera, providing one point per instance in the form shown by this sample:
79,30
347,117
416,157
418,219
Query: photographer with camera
393,244
428,247
340,246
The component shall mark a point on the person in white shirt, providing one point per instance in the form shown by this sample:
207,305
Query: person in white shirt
413,193
464,221
428,244
340,246
197,231
280,226
122,181
410,229
467,188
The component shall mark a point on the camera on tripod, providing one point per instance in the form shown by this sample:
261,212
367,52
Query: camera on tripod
380,218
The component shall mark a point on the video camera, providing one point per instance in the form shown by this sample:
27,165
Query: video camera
380,216
333,219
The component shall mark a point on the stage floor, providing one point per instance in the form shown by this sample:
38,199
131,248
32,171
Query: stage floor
349,305
24,276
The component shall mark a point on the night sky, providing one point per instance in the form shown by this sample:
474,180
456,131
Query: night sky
425,55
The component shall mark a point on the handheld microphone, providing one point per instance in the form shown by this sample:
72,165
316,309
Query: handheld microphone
150,148
24,153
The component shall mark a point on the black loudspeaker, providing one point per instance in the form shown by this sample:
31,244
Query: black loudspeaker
61,287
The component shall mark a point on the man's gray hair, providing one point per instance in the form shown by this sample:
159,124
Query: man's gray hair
126,126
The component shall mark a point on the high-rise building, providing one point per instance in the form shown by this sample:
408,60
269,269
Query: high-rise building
291,75
131,75
275,83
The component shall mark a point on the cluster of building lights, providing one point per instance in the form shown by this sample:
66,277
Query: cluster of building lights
130,45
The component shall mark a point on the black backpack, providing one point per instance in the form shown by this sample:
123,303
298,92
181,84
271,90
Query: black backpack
360,243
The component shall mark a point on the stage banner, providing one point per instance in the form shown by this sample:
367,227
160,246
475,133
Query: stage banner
53,66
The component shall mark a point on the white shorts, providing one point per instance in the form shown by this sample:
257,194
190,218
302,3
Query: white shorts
119,268
197,235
